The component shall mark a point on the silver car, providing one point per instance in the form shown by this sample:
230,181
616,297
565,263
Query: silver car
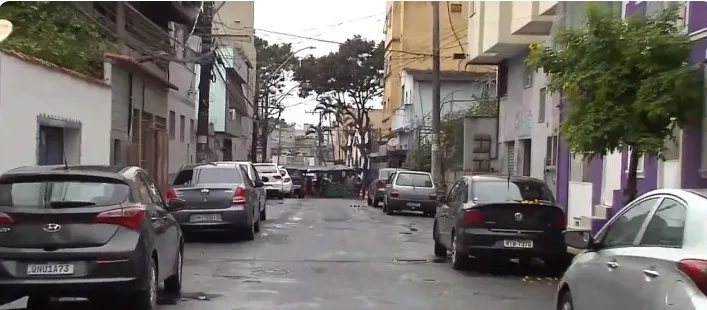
651,255
410,191
273,179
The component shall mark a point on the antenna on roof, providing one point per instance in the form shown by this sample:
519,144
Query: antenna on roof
508,183
63,148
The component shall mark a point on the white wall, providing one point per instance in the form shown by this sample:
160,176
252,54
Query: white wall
182,103
28,89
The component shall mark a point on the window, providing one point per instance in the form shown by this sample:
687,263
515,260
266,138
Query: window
462,194
528,77
641,162
672,147
472,8
267,169
153,191
217,175
666,226
580,168
482,143
451,196
192,131
172,125
551,152
414,179
62,194
182,125
455,7
541,106
624,230
510,190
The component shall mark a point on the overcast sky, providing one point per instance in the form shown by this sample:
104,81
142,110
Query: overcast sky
326,20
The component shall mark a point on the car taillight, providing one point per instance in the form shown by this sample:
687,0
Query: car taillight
5,219
696,270
130,217
239,195
171,193
287,180
276,177
562,220
472,216
433,196
380,183
394,193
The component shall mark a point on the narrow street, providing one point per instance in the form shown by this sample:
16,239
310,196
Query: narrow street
335,254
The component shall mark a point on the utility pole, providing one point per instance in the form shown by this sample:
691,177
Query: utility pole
279,142
264,127
256,127
204,24
436,106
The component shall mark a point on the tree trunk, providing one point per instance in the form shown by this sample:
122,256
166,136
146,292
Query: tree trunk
631,189
265,121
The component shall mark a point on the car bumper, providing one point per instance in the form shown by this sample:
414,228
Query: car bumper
287,187
378,193
274,187
485,242
412,205
232,217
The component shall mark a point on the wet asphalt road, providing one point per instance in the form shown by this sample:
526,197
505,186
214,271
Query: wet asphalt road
334,254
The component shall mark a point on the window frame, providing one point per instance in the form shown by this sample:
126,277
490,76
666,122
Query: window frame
642,232
601,235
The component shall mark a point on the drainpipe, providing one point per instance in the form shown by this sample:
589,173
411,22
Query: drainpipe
139,138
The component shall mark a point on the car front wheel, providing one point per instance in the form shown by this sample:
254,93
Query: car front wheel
173,284
147,299
565,301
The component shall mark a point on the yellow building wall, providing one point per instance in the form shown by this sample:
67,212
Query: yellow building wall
409,44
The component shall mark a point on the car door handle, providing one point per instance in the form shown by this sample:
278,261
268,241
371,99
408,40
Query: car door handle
612,265
650,273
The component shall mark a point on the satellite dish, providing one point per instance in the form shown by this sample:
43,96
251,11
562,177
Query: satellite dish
5,29
393,142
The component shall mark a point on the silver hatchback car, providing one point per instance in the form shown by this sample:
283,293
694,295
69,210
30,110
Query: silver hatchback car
651,255
410,191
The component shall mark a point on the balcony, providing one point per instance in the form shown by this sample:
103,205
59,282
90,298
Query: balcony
527,18
499,30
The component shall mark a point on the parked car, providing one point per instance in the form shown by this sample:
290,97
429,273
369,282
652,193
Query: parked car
274,185
649,255
219,197
287,185
410,191
376,189
494,218
261,193
297,182
99,232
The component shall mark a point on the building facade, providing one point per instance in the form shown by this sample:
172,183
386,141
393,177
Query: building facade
44,126
408,45
591,191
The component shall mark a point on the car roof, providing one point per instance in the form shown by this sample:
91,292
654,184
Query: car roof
264,164
496,177
413,172
105,171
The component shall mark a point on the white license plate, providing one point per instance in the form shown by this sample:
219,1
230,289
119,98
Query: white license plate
414,204
521,244
50,269
205,218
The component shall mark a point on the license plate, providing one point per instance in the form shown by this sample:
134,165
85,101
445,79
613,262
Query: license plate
521,244
414,204
205,218
50,269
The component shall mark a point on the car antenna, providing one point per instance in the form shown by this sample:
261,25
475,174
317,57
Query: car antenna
508,182
63,148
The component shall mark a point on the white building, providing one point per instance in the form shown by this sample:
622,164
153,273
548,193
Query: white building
49,114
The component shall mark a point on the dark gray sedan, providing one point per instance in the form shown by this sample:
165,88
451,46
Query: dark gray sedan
219,197
87,231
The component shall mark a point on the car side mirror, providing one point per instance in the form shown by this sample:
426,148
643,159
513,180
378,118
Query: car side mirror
176,204
579,239
265,179
258,183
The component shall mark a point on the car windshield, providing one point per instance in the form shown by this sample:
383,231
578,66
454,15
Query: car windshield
414,179
267,169
294,173
62,194
218,175
506,191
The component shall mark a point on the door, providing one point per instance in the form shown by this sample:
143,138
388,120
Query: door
261,190
526,156
158,222
51,145
653,262
171,227
605,274
252,201
444,215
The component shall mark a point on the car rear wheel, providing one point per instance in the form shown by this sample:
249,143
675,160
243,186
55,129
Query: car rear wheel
370,203
440,250
460,261
250,231
565,301
147,299
264,214
39,302
173,284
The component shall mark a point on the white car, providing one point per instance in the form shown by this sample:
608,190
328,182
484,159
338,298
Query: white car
287,186
273,183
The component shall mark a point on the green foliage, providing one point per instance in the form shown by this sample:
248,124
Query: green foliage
345,81
55,32
269,57
419,158
627,82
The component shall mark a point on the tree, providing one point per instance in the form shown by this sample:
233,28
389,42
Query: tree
270,92
347,81
55,32
627,84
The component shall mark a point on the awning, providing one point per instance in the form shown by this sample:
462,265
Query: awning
134,66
